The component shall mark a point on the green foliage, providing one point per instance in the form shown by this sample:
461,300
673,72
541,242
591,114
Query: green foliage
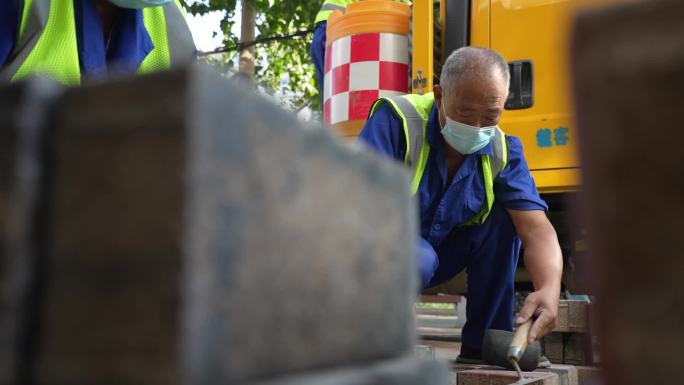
435,305
277,59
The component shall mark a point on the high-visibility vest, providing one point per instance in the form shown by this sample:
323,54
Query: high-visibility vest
331,5
414,111
47,41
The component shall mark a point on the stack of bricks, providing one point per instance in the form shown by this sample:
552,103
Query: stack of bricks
571,341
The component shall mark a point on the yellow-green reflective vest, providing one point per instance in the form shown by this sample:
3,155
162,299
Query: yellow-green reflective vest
330,5
414,111
47,41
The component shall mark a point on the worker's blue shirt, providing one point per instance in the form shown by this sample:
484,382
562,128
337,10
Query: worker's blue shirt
127,46
9,24
444,206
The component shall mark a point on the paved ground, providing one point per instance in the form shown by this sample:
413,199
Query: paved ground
445,350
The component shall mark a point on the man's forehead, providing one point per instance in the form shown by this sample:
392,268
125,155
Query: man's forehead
489,107
477,93
465,101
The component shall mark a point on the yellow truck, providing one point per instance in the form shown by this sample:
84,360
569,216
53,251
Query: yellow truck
533,36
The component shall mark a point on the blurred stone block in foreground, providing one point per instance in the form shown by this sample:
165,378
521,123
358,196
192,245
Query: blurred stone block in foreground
629,76
24,109
198,235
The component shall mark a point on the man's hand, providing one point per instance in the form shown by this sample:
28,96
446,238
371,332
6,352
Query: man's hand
543,305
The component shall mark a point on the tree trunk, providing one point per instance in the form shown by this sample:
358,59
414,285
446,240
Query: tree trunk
248,32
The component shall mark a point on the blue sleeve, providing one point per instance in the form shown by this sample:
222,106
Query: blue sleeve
318,51
428,262
514,187
384,132
9,24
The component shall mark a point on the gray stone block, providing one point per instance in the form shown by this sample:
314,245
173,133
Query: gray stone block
24,113
199,235
404,370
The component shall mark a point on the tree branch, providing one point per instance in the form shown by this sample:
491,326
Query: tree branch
247,44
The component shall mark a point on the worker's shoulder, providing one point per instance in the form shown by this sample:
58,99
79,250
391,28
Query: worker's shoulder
515,147
384,111
512,140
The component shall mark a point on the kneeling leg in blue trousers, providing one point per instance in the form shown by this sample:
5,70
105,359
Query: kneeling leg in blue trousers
489,253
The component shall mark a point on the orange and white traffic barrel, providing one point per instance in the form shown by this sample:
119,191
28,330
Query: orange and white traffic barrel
367,57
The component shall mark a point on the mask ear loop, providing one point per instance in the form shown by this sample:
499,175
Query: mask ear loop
446,117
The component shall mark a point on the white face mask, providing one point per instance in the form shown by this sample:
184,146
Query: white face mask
464,138
137,4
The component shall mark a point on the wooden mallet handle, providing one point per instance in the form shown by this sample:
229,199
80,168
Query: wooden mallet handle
519,342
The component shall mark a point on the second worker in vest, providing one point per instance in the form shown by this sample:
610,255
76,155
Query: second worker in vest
476,196
68,40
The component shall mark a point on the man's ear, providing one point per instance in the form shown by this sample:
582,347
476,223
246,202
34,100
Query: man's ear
437,89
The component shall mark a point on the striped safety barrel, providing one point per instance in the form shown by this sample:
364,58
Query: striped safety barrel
367,57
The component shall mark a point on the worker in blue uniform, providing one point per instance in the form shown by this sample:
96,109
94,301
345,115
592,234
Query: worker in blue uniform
477,199
318,43
74,39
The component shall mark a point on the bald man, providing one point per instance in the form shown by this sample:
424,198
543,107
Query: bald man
478,202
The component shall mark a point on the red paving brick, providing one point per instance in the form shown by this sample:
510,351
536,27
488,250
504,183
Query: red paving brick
492,376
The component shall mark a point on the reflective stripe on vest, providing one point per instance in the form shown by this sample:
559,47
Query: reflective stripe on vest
332,7
329,6
414,111
338,5
173,44
48,45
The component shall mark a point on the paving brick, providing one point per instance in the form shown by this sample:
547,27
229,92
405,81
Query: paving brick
456,368
589,375
198,235
569,348
573,316
577,349
493,376
553,347
567,374
628,85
